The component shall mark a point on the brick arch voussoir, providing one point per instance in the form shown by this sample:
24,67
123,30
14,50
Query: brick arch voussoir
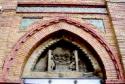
40,26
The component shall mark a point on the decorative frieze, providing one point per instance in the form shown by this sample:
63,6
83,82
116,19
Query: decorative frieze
54,9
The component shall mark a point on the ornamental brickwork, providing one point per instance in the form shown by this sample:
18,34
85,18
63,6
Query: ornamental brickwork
99,27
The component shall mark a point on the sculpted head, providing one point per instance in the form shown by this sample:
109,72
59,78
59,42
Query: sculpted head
61,56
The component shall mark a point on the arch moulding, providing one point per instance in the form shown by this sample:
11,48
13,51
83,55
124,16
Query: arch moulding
25,45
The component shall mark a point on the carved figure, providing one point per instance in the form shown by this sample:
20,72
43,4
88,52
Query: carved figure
63,60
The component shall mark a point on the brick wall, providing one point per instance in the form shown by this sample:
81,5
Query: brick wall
9,34
117,13
114,27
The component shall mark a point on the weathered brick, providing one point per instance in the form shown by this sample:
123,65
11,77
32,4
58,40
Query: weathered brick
10,33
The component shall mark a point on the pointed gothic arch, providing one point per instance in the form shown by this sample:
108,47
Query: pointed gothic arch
63,39
24,47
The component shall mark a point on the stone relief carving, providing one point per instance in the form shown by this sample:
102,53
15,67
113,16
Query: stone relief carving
61,60
41,65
